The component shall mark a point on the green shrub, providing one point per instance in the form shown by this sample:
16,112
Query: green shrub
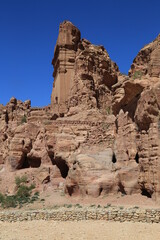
1,197
24,191
108,205
23,119
9,201
137,74
69,206
20,180
78,205
23,194
42,200
108,110
92,205
35,197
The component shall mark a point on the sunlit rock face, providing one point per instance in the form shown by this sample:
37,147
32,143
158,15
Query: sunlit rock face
101,133
83,73
147,62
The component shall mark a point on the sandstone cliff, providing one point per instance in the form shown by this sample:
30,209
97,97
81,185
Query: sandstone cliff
101,134
83,73
147,61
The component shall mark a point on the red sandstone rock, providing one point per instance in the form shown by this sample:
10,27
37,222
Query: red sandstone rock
77,144
83,73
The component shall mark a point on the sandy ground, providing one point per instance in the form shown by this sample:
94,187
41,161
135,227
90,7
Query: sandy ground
84,230
55,198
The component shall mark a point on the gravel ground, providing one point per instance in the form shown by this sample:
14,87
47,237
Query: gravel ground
83,230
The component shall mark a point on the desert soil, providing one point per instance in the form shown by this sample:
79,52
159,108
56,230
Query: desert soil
55,198
83,230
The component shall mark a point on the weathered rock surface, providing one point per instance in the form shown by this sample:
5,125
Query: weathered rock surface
147,62
101,134
83,73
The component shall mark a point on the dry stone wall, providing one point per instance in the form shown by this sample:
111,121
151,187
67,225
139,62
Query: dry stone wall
116,214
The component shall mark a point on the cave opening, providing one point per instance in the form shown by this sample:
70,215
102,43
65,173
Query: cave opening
137,158
51,155
60,163
144,192
25,163
33,162
114,159
70,190
100,191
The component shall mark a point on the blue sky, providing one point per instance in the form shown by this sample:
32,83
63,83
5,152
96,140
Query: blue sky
29,29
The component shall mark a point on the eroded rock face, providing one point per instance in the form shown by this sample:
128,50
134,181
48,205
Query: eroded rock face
83,73
101,134
147,62
63,63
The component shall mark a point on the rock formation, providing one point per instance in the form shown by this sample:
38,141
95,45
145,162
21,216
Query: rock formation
147,62
101,134
63,62
83,73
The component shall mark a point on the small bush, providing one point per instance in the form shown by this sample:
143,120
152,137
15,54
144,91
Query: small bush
20,180
24,191
23,119
69,206
137,74
56,206
1,197
42,200
9,201
108,110
23,194
35,197
78,205
92,205
108,205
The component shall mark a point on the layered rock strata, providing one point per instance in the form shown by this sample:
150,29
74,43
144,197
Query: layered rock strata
101,134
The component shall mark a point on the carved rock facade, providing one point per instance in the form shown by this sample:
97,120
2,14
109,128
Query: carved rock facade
83,73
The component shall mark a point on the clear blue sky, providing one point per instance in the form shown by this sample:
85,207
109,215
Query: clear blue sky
29,29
